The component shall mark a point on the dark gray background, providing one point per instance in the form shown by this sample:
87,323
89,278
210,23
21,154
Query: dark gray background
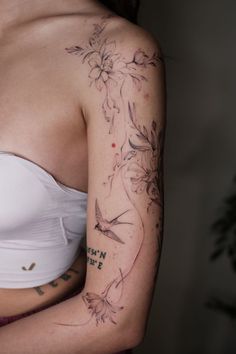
198,38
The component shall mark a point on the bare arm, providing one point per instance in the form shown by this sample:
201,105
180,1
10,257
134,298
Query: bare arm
33,298
125,122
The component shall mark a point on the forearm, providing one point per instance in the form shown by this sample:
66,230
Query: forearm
72,279
41,332
33,298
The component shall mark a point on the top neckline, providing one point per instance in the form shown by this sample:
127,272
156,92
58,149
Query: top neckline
74,190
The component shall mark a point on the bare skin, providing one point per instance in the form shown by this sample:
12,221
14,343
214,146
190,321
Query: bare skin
78,85
18,301
36,122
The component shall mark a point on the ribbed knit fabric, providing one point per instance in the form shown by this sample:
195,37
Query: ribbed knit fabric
42,223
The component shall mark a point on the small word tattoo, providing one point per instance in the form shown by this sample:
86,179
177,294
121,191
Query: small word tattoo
97,253
109,69
39,290
138,160
94,262
54,284
104,226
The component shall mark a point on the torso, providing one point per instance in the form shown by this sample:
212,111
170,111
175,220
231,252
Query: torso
40,116
40,113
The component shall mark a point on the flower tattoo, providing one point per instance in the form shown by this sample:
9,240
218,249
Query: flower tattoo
138,161
109,70
101,308
142,160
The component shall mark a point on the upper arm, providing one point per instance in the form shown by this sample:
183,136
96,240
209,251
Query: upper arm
125,114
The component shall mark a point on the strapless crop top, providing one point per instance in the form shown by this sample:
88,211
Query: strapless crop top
42,223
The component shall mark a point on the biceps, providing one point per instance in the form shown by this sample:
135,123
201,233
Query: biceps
124,213
125,198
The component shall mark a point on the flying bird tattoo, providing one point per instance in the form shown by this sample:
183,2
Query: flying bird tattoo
104,225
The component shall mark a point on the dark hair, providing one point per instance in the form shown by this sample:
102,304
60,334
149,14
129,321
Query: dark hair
125,8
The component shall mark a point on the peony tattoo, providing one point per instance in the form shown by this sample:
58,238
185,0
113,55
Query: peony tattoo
101,308
109,69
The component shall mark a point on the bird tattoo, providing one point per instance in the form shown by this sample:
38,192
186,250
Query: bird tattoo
104,225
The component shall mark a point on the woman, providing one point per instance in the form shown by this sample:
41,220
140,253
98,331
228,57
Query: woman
82,125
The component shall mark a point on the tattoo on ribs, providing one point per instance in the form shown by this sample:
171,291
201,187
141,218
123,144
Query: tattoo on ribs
109,69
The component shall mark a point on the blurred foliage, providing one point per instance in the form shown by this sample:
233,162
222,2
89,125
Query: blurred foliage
228,309
224,231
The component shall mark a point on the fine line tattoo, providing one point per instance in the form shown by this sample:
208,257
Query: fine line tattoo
95,257
104,226
138,162
109,69
141,160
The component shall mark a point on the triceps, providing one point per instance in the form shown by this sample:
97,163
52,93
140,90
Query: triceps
137,170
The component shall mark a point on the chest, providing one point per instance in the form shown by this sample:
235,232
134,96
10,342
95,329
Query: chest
35,94
39,111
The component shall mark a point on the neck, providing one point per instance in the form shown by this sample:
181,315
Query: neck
16,12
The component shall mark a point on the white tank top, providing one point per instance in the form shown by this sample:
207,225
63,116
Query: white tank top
42,223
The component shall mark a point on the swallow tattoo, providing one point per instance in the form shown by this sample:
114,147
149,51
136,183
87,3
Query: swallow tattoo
104,225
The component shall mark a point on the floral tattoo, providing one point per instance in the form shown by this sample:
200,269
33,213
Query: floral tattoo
100,307
139,160
104,226
142,159
109,69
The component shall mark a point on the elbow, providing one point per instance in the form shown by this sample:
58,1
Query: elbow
134,338
132,334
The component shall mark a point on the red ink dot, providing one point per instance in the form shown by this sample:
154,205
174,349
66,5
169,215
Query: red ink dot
113,145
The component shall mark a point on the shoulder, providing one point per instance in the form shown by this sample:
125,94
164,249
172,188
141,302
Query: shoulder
114,35
113,55
129,36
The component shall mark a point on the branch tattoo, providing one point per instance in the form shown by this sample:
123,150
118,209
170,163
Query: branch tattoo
138,162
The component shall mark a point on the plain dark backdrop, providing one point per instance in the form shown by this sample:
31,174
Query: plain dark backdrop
198,39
